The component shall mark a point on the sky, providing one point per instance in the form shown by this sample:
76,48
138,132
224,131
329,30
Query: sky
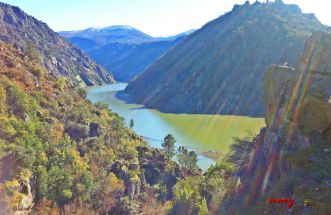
154,17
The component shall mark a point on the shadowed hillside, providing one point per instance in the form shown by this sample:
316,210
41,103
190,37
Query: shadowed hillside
220,68
123,50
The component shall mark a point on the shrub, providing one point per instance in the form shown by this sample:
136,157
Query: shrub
38,71
102,105
60,83
82,92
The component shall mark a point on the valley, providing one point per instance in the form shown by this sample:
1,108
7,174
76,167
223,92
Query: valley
229,118
200,132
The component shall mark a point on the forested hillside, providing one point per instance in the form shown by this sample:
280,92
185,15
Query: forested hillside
60,154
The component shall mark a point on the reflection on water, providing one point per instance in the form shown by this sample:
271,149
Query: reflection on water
197,132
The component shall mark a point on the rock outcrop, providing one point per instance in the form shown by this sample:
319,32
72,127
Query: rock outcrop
291,155
300,98
154,170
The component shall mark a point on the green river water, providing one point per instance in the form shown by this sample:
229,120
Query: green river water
198,132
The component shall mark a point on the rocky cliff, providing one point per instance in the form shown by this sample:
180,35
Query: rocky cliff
57,55
221,67
291,157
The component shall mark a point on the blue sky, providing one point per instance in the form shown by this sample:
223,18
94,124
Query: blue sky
154,17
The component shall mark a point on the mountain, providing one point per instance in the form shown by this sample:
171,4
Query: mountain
111,34
220,68
57,55
123,50
129,60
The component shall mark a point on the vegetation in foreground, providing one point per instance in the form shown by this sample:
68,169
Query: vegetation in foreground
60,154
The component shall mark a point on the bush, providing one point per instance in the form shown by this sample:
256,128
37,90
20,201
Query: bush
82,92
61,83
102,105
32,52
38,71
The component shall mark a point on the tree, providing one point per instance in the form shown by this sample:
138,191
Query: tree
192,160
131,124
32,52
187,159
187,199
169,146
3,100
182,156
42,178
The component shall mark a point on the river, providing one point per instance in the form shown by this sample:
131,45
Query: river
197,132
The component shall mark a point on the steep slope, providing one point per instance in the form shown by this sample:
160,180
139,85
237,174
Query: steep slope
61,154
123,50
220,68
290,158
129,60
57,55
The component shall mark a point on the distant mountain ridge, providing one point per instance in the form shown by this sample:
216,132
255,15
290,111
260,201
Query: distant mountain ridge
111,34
219,69
122,49
57,55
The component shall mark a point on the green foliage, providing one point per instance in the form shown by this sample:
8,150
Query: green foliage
59,183
32,52
82,92
38,71
42,182
18,103
61,171
222,168
187,200
187,159
169,146
102,105
218,182
67,193
3,100
61,83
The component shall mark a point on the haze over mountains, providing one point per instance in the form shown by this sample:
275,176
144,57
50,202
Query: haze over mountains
123,50
57,55
220,68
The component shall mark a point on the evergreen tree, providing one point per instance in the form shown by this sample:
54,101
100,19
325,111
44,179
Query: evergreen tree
131,124
187,159
192,160
169,146
182,156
